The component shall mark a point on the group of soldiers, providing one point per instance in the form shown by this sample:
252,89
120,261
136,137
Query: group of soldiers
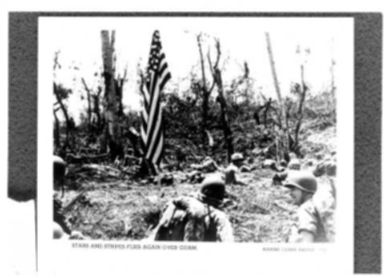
201,216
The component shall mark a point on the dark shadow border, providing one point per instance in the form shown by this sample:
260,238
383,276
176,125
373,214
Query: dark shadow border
22,161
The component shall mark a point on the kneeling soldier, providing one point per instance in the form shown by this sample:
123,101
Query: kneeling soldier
197,218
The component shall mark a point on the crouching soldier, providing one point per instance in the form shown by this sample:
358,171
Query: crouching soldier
196,218
61,226
309,226
293,166
233,170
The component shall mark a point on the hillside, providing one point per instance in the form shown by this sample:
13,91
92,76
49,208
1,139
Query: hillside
115,206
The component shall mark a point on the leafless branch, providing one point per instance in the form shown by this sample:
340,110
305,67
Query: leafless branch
85,85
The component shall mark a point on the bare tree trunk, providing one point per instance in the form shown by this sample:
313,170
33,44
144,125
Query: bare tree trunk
112,132
56,131
247,82
224,114
256,114
119,85
333,87
282,115
300,108
216,73
266,109
96,109
134,137
89,102
206,94
68,125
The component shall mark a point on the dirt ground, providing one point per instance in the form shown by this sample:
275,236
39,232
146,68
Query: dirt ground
124,209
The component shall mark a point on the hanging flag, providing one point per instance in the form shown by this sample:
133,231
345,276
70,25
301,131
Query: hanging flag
157,75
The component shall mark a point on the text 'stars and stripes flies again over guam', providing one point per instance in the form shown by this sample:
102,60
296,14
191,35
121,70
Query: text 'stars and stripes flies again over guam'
157,75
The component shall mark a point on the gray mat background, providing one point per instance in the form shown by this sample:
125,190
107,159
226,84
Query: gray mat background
23,39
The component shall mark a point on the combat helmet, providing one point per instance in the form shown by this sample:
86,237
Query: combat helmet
237,157
58,231
212,190
305,181
294,164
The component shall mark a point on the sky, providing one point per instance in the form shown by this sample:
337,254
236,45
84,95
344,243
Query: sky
78,41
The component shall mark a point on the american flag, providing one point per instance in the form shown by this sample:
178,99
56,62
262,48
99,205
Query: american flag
157,75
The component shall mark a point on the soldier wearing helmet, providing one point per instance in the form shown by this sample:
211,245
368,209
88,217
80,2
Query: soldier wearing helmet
237,159
309,226
294,164
233,168
196,218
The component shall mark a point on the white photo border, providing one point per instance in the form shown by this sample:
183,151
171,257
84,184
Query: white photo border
61,257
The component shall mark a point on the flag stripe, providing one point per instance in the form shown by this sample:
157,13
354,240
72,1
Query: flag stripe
154,156
159,150
165,80
156,131
155,108
153,116
144,118
151,130
146,96
143,135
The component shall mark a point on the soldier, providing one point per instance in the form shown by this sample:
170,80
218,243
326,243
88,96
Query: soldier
310,226
62,228
233,168
294,165
207,166
196,218
59,217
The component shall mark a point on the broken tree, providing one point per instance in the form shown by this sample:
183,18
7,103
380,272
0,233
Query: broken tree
283,122
206,90
216,74
61,95
113,131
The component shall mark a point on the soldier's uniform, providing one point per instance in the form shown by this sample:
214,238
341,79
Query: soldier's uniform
308,218
59,217
233,169
230,174
294,164
196,218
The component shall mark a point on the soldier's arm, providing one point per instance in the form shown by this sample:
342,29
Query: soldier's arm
164,222
239,181
59,217
191,206
307,226
224,229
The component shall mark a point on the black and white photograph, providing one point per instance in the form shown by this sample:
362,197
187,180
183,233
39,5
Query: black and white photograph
231,139
203,141
202,129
